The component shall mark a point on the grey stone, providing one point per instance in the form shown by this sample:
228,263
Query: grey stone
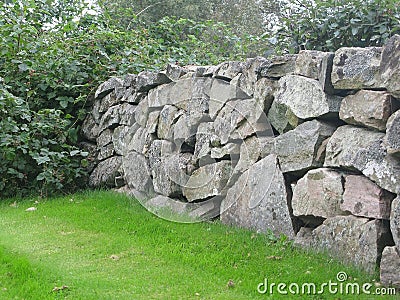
300,98
120,93
240,119
207,181
107,87
249,76
228,70
134,98
201,71
163,206
141,141
174,72
392,137
309,63
350,238
159,153
259,200
137,172
104,138
147,80
325,72
318,193
105,152
168,117
122,136
163,95
142,112
250,151
364,198
264,90
90,130
108,101
278,66
390,266
127,113
105,172
205,139
222,92
360,149
230,150
92,151
123,114
303,148
395,222
152,121
357,68
390,67
185,128
129,80
368,108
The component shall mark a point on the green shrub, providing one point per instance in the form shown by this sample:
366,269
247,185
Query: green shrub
53,57
34,154
330,24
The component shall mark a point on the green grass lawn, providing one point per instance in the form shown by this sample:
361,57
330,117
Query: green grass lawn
102,245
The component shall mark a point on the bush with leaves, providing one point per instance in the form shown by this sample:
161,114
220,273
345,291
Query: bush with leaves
53,57
34,154
330,24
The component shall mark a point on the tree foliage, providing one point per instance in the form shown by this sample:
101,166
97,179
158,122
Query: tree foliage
330,24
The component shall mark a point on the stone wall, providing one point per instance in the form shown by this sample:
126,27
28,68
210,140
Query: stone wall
304,145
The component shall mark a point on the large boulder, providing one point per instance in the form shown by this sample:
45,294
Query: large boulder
106,172
304,147
390,65
392,137
390,267
300,98
357,68
259,200
364,198
368,108
350,238
360,149
207,181
319,194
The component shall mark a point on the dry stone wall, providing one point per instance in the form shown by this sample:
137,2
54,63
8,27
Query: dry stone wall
305,145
